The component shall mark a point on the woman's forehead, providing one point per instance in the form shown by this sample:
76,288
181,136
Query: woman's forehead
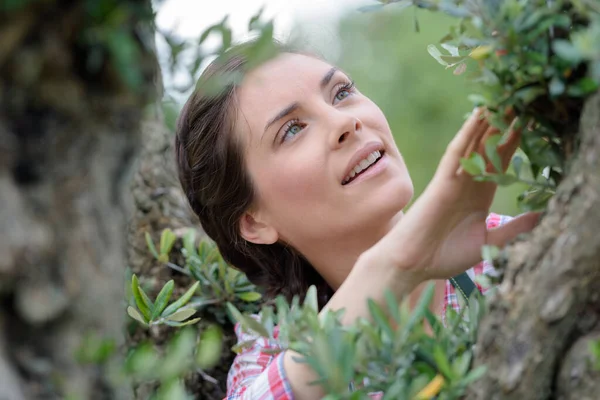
276,84
285,71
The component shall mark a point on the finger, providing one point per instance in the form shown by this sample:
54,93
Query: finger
507,149
491,131
522,224
476,143
461,142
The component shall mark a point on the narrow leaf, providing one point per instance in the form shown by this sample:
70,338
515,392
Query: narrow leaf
181,314
435,53
249,296
311,298
151,247
210,346
182,301
180,324
167,240
188,242
141,303
380,318
441,360
241,346
517,162
162,299
135,314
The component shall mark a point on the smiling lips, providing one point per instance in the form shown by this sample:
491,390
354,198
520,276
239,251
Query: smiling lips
362,165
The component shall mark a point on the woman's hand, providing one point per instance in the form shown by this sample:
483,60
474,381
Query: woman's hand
442,233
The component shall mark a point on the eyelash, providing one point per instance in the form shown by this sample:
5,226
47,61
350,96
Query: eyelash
347,86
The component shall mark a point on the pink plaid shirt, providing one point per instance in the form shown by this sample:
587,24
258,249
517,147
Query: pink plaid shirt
257,372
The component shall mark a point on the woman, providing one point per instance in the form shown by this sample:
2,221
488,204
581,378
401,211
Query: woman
296,177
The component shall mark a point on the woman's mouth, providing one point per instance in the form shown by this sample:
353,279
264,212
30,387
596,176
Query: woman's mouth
364,165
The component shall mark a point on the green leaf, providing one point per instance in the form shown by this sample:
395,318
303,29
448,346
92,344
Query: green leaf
254,325
183,300
181,315
556,87
181,324
380,318
150,244
583,87
167,240
474,165
500,179
491,151
422,305
248,323
489,253
162,299
189,239
210,347
311,298
461,364
253,23
517,163
392,305
435,53
474,375
249,296
144,304
241,346
565,50
371,8
135,314
441,360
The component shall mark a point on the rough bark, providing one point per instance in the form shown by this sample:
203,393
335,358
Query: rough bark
159,203
550,297
67,141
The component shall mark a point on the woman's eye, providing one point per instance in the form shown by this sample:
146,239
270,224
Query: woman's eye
342,94
344,91
292,130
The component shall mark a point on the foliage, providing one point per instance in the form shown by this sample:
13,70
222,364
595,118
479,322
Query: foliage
535,58
154,313
184,353
390,352
217,283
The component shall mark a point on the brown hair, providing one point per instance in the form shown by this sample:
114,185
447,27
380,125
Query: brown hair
212,172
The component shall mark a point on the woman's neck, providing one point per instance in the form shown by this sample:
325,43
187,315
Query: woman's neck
334,261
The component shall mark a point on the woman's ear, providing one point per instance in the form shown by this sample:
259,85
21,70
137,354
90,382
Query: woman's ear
254,230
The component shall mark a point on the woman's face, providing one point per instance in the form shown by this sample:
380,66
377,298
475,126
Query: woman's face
321,155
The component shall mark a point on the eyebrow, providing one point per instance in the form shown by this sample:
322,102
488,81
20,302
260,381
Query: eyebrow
294,106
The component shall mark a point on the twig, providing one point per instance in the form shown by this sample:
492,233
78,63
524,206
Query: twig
207,377
178,268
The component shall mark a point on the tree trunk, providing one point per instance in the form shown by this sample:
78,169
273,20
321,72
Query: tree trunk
68,136
159,203
548,306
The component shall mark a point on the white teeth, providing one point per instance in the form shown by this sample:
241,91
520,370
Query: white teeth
362,165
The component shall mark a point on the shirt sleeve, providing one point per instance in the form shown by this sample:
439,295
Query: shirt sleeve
257,371
453,300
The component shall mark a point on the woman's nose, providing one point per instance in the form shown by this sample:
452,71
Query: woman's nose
348,126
